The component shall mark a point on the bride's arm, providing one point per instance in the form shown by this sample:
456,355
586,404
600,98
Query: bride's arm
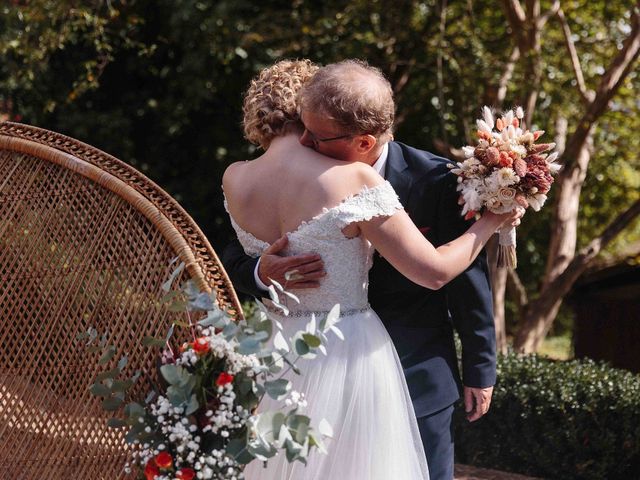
400,242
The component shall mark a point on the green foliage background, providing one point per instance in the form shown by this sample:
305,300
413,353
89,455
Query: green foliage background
159,83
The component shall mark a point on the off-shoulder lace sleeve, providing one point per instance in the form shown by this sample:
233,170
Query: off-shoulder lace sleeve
379,201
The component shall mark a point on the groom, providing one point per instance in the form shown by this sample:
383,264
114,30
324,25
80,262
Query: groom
348,111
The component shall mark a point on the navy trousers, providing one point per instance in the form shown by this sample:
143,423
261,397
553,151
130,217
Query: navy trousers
436,431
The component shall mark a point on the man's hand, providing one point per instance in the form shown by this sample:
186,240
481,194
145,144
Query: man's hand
476,402
300,271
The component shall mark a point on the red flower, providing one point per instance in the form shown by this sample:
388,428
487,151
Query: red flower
201,345
164,460
186,474
223,379
151,470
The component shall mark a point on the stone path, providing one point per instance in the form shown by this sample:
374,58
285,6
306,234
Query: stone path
467,472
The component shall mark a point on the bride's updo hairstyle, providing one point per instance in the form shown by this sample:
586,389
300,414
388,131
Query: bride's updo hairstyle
270,105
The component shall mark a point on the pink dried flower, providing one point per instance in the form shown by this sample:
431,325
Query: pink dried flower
520,166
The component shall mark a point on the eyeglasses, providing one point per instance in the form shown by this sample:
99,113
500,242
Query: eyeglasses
319,140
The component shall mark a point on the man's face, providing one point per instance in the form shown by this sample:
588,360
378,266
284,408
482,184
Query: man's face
325,137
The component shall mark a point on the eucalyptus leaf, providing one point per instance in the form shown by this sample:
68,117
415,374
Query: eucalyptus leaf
111,404
116,423
280,343
311,340
113,373
166,286
213,317
100,390
122,363
237,449
178,306
152,342
192,405
338,333
301,347
121,385
170,333
332,318
203,301
230,330
107,355
277,389
171,373
248,346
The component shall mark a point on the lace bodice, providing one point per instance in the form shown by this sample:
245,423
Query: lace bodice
346,260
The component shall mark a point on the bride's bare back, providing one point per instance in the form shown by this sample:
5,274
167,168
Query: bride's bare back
288,185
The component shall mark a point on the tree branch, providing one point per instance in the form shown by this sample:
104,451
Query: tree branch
609,84
516,18
587,96
548,14
506,76
448,151
516,289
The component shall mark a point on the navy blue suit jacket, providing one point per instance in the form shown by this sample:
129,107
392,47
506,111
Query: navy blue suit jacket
421,321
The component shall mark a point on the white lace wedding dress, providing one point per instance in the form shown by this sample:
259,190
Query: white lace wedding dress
359,387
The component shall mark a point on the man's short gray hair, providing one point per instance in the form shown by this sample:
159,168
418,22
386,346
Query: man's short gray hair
354,95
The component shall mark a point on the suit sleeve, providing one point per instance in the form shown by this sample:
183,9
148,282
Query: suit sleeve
469,298
240,268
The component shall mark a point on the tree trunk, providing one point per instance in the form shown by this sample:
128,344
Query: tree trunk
540,313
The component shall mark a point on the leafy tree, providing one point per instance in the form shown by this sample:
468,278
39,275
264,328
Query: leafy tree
159,84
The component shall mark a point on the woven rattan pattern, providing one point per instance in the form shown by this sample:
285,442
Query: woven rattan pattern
205,255
82,256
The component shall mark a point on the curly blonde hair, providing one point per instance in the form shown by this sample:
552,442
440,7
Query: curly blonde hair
270,104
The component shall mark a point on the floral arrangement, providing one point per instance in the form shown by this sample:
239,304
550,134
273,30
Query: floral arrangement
202,422
507,169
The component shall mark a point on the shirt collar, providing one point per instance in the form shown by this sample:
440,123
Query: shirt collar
382,160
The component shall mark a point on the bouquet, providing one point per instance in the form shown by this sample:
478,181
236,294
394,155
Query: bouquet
507,169
202,421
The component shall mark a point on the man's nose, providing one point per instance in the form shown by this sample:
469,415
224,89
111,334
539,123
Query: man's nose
306,139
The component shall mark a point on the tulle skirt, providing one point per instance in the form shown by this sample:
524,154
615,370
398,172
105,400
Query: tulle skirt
359,388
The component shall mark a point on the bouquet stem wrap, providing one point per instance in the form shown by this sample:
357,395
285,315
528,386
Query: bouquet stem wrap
507,248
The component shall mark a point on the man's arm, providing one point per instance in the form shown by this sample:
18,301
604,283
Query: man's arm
246,273
241,267
471,307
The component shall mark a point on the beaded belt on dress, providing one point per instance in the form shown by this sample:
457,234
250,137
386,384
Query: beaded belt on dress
317,313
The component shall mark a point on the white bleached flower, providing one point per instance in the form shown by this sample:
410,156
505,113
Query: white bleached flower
468,151
537,201
519,113
488,116
506,177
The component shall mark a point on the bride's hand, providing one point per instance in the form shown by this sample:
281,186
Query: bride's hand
511,218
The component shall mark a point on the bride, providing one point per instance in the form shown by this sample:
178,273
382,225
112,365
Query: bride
341,211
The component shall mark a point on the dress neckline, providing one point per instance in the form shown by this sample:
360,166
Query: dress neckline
304,223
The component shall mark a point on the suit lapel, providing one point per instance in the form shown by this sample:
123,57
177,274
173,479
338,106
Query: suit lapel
397,173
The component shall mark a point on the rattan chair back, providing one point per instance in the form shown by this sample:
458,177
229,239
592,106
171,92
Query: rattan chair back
85,241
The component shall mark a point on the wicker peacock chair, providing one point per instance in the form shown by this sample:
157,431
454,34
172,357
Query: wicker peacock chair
85,241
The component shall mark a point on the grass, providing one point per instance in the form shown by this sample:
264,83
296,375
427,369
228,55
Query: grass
558,348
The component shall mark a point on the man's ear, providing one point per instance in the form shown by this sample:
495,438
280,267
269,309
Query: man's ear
365,143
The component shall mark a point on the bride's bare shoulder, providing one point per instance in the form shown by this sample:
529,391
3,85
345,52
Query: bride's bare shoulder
360,174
